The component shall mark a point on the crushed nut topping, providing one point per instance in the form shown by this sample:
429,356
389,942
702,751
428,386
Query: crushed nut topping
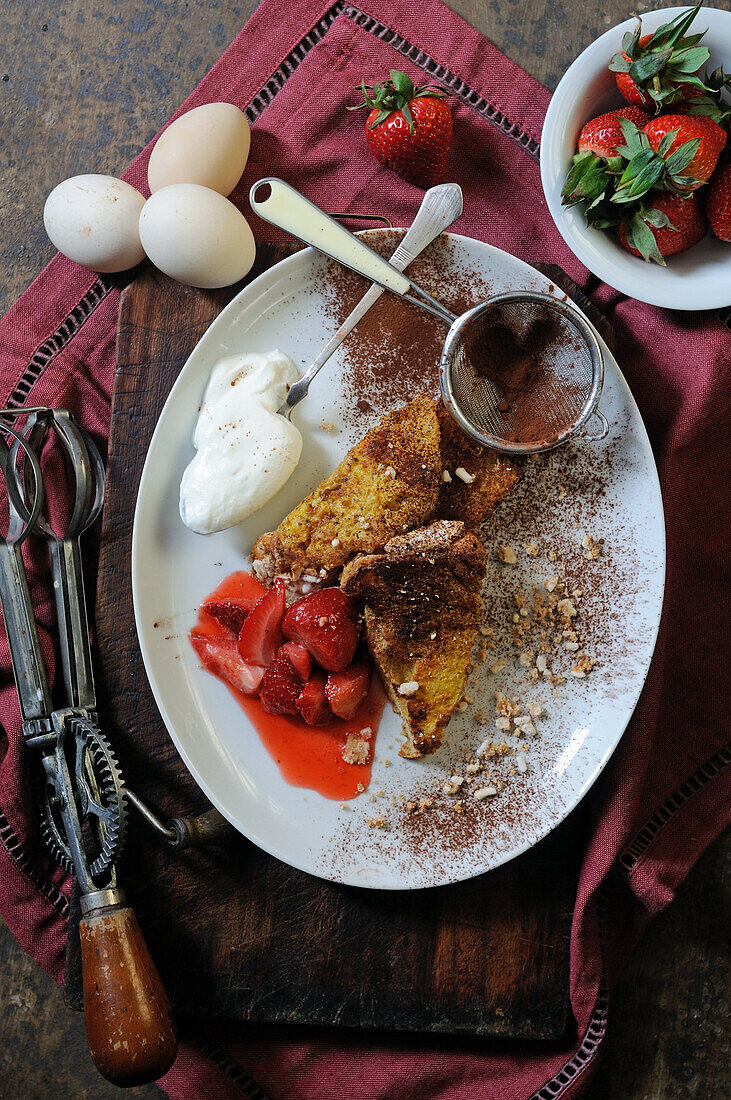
408,688
485,792
464,476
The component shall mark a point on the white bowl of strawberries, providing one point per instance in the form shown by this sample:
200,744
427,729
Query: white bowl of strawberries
643,197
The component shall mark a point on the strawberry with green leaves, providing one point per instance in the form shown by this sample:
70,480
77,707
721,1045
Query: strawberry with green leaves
663,226
710,136
634,169
657,70
408,129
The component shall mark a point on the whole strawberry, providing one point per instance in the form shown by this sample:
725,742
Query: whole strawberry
718,202
408,129
711,140
603,134
664,225
659,69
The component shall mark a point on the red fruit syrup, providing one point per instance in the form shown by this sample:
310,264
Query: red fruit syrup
307,756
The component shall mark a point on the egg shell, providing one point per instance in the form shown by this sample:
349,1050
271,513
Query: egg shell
94,221
208,145
196,236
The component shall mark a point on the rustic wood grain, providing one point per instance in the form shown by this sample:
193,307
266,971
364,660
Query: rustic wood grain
269,942
85,90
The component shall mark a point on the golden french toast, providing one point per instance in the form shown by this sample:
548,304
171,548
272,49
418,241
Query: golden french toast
422,612
388,483
493,475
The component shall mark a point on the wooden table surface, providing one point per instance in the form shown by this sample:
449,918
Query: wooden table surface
83,87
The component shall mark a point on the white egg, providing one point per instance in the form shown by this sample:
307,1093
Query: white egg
196,236
209,145
94,220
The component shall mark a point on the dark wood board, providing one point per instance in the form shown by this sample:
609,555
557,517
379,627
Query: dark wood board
259,940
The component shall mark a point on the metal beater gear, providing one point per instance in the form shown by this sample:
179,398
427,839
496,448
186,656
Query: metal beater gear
100,797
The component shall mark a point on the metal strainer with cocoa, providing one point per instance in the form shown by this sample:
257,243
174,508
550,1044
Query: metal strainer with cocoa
521,372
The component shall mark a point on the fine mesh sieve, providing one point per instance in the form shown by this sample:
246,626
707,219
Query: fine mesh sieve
521,372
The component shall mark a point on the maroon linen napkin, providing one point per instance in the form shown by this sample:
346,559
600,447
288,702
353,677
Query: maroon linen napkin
664,795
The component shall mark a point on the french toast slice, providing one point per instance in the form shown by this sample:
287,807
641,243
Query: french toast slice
388,483
493,475
422,613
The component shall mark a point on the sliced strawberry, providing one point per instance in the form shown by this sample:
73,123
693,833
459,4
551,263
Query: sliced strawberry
221,657
347,689
299,658
312,701
229,613
261,634
280,687
326,624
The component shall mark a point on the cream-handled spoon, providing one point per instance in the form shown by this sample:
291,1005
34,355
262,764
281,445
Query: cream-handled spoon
440,207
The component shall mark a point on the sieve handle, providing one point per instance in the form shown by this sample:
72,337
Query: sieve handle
286,208
603,430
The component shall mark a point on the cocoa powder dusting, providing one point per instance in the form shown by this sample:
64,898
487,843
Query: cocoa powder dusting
394,352
519,355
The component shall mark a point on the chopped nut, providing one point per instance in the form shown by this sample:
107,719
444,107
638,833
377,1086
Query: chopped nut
499,665
376,822
566,608
409,687
571,646
485,792
525,659
531,548
502,723
507,555
541,662
458,807
483,747
355,750
360,788
521,763
522,720
335,542
551,583
464,476
326,426
535,710
425,803
461,707
472,769
458,780
390,472
446,476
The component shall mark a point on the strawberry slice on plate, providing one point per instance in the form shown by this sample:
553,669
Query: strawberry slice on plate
312,701
229,613
347,689
221,657
299,658
280,687
261,634
326,624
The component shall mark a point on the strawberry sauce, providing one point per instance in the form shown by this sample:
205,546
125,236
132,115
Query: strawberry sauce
307,756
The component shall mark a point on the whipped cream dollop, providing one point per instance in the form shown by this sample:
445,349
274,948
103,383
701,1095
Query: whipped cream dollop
245,450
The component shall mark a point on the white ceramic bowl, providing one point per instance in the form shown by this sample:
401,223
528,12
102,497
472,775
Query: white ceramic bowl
697,279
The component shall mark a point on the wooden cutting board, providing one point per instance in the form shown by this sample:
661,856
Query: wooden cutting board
235,932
